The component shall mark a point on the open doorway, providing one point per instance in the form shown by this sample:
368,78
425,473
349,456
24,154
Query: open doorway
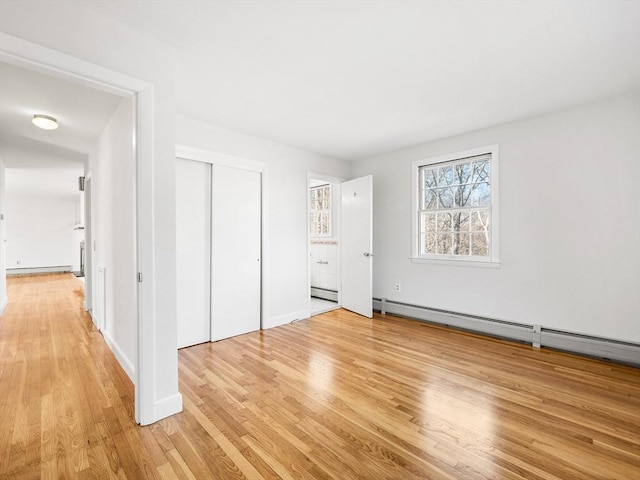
324,243
44,212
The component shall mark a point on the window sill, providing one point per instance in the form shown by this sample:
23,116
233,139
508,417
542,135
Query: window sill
456,262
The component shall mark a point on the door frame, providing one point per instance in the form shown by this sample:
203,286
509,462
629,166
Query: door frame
224,160
338,234
88,244
32,56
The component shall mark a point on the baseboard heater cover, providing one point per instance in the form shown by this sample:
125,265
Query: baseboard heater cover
36,270
615,350
324,293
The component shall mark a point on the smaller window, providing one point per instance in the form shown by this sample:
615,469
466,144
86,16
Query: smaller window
455,206
320,211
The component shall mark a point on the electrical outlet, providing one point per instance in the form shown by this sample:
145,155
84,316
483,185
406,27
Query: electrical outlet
397,287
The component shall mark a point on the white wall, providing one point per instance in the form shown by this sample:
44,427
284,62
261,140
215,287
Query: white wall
569,216
3,236
71,29
286,258
42,209
112,169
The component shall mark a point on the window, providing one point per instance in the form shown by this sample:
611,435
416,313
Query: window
320,211
455,207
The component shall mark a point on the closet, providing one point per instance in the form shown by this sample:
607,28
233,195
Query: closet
218,245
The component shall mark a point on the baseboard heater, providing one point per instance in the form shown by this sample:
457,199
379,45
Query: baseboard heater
37,270
324,293
615,350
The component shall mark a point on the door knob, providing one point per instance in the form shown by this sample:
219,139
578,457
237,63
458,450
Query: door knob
367,254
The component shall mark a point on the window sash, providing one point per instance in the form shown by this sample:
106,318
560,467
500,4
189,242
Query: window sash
320,211
453,177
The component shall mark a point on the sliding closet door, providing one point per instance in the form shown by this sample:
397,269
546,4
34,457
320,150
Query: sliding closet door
235,251
193,251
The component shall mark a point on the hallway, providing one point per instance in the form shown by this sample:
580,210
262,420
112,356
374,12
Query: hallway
66,405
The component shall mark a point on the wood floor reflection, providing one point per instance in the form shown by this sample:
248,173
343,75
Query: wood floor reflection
337,396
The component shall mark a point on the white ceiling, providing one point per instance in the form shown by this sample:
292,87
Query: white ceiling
352,79
349,79
82,114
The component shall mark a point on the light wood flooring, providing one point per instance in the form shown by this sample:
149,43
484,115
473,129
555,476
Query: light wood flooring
334,397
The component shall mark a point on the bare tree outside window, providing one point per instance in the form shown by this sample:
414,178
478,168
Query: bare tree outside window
455,207
320,211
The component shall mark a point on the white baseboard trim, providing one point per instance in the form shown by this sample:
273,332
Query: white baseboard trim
284,319
608,349
2,307
168,406
123,360
37,270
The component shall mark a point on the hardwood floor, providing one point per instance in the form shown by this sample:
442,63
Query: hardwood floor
334,397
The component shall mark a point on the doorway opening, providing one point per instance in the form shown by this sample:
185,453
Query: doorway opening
323,233
139,357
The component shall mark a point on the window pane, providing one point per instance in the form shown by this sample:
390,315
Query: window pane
461,244
445,176
320,210
460,221
427,222
481,171
429,177
445,198
479,244
326,198
479,221
480,195
313,224
462,194
429,200
462,173
444,242
428,244
444,222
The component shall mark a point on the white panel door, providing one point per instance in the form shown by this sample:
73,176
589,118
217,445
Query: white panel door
235,251
193,251
357,244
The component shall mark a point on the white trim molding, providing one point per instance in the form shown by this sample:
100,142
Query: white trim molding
168,406
216,158
36,57
287,318
123,360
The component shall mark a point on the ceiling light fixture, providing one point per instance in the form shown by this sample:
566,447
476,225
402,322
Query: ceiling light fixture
45,122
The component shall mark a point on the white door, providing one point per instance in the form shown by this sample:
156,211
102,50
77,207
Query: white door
235,251
357,244
193,251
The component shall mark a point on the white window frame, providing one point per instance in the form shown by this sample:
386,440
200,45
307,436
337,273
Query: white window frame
328,211
493,259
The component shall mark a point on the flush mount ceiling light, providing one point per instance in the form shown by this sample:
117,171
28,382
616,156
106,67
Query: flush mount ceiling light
45,122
